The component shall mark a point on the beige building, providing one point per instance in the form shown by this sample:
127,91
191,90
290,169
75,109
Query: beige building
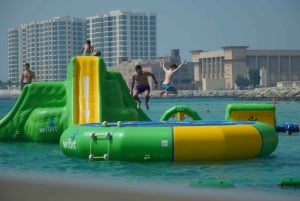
219,69
226,64
182,80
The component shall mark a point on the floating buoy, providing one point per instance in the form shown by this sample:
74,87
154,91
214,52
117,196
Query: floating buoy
212,183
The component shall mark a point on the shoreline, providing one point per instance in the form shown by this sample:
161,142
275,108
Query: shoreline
9,93
269,93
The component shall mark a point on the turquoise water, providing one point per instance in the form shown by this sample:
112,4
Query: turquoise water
259,173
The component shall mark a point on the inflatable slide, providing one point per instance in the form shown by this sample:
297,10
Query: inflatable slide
90,94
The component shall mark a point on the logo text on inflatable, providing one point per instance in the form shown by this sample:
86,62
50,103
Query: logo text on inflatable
50,128
70,143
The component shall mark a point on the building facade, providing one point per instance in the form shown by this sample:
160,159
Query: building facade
123,36
232,61
47,45
182,79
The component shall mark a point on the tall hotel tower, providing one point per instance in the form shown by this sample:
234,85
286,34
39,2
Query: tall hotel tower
123,36
47,45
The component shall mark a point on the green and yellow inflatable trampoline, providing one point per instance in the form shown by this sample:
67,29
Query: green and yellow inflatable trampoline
177,141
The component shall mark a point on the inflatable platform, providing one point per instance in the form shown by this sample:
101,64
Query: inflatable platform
180,141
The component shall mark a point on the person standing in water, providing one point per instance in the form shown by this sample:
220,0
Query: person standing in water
141,83
167,87
87,48
27,76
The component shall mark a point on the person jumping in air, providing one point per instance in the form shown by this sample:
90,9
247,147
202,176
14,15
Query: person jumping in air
140,78
167,87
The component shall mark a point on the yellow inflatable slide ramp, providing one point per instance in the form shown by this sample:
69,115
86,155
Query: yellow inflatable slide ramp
86,90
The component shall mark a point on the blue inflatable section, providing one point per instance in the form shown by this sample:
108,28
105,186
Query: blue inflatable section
287,126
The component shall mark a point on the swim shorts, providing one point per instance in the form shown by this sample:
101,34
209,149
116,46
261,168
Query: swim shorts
169,87
23,84
142,89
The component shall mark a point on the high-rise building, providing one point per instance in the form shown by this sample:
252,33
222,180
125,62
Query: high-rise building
123,36
47,45
14,68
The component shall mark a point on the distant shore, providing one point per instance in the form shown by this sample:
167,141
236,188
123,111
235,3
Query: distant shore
269,93
9,94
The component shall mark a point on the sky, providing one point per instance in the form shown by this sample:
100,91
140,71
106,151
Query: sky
181,24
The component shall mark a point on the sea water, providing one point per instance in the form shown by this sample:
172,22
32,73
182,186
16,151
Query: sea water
258,173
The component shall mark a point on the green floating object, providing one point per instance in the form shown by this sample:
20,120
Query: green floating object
212,183
293,182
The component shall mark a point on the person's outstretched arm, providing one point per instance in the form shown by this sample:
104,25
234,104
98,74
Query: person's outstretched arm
162,64
153,78
180,65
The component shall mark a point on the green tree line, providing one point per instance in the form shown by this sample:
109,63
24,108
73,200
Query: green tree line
253,79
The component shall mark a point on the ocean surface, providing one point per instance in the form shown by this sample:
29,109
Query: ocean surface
254,174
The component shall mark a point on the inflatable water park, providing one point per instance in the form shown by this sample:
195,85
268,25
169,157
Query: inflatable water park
92,115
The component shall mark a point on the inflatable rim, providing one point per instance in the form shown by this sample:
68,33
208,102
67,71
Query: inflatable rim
181,110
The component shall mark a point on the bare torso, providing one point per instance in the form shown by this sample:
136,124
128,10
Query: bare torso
28,76
168,76
141,79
